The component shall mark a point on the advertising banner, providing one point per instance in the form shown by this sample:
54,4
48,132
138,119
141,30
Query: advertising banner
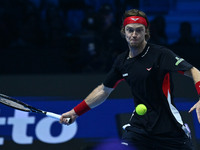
29,130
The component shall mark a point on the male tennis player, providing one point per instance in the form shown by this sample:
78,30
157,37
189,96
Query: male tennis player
147,69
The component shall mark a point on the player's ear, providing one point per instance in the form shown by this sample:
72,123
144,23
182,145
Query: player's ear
145,31
147,34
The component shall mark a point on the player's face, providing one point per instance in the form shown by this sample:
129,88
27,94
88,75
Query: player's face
135,34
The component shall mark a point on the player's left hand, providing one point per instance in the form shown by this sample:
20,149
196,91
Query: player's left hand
197,107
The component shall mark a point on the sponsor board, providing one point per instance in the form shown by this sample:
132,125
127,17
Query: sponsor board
24,128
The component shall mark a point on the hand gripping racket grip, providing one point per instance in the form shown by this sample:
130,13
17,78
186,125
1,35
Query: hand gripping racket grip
55,116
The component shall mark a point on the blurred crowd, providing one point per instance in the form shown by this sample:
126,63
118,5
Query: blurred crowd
73,36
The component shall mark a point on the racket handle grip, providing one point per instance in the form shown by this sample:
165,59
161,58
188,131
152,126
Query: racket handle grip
55,116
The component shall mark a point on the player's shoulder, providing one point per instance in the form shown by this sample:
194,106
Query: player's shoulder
159,48
119,60
122,56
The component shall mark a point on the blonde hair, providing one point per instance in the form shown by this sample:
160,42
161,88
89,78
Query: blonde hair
135,12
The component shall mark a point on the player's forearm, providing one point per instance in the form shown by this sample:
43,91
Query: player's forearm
97,96
194,73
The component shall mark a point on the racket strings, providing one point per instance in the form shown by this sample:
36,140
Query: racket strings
13,104
9,101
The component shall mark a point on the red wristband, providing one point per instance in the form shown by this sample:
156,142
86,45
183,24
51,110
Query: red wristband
197,86
81,108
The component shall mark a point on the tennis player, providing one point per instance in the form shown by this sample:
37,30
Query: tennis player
147,69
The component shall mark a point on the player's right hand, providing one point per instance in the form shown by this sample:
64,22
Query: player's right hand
197,107
64,119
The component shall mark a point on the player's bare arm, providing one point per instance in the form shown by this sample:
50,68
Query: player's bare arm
98,96
194,73
95,98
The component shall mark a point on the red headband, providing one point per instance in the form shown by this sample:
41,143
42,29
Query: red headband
135,19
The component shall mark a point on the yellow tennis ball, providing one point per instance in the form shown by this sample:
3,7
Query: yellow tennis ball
141,109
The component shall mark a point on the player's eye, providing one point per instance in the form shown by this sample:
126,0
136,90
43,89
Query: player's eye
139,30
129,30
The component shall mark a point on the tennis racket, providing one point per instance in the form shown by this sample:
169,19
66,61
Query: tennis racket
16,104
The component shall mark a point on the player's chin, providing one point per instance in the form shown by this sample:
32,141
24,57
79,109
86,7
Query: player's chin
134,44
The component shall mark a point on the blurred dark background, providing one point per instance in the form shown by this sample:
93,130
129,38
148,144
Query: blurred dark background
65,48
83,36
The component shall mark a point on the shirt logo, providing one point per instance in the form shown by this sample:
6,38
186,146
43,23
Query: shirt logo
135,19
149,69
179,60
125,74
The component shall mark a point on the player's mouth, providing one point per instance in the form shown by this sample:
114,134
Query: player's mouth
133,41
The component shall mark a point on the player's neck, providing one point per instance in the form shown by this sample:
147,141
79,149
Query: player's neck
134,51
